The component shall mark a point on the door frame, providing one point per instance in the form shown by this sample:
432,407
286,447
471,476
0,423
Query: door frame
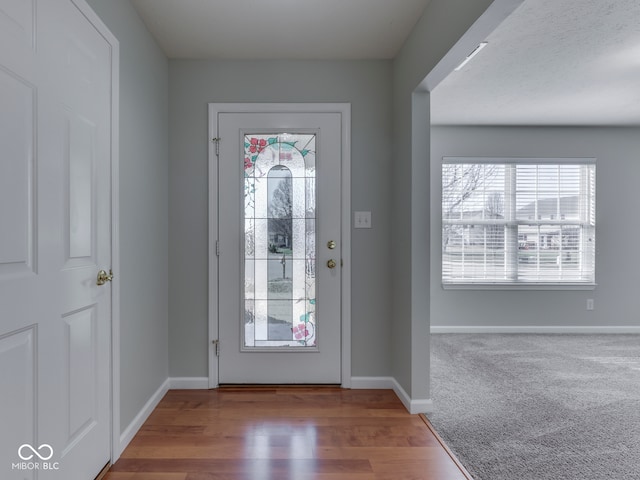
344,109
114,387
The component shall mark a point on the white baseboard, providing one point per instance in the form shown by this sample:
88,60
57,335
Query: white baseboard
189,383
538,329
181,383
414,406
127,435
418,405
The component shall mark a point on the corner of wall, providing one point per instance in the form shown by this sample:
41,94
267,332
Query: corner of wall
413,405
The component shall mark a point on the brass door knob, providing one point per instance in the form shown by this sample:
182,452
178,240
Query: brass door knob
331,263
104,277
331,244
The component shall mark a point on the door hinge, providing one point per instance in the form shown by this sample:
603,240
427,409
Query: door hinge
217,248
217,142
216,345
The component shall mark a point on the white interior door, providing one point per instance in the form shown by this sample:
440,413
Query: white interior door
55,216
280,247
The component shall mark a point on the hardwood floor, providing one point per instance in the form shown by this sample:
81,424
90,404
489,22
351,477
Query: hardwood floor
297,433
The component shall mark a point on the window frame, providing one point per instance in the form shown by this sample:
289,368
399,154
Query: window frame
520,284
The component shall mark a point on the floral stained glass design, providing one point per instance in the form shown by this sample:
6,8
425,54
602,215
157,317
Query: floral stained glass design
280,237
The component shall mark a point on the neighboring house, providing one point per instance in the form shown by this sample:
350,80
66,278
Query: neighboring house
529,239
550,239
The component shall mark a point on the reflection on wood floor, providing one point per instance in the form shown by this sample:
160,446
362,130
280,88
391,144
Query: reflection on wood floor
297,433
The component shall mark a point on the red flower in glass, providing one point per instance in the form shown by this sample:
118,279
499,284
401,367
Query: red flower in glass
247,163
300,332
257,145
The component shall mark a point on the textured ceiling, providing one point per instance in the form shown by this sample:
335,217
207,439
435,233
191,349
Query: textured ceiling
552,62
280,29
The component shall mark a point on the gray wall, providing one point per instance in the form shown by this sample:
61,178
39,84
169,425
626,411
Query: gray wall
193,84
617,302
390,307
144,250
442,24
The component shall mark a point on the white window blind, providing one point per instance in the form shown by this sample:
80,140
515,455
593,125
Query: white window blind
518,221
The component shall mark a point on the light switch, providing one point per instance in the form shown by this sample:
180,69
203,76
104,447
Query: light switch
362,220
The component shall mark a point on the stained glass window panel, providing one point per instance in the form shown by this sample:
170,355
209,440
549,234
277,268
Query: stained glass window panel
280,240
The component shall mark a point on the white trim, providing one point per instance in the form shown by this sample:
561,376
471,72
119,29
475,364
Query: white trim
172,383
189,383
414,406
390,383
345,110
114,44
519,286
115,252
537,329
212,218
135,425
346,245
523,160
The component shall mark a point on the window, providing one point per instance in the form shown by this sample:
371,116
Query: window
518,221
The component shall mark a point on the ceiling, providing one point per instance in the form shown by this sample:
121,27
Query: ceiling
552,62
280,29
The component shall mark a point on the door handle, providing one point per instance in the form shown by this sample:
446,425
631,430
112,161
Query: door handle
331,263
104,277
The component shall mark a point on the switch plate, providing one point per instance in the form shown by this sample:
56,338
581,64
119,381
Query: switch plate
589,303
362,220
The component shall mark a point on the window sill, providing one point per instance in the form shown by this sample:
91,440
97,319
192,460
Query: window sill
519,286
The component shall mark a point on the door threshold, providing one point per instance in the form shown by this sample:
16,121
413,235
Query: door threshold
228,386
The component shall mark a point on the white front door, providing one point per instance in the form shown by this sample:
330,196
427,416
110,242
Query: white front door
280,247
55,216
